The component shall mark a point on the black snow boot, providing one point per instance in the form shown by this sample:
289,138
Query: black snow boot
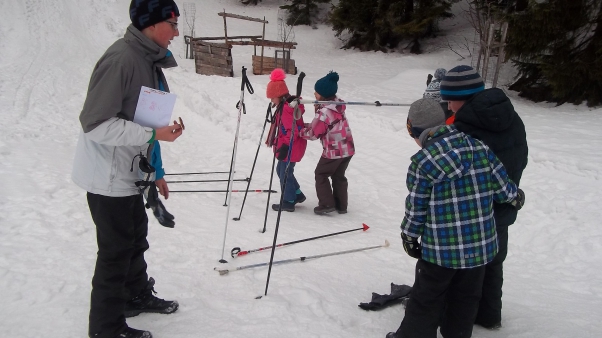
133,333
323,210
300,198
286,206
147,302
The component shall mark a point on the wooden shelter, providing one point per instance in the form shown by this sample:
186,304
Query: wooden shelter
265,64
215,58
212,58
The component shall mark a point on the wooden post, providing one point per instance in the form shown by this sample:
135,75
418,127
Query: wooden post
501,54
225,28
479,56
488,51
262,40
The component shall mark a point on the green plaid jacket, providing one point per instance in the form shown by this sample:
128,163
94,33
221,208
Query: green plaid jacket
453,182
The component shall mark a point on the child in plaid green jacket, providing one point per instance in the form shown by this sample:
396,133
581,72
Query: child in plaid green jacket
452,182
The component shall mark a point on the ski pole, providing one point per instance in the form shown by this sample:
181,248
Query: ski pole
375,103
232,158
267,118
258,190
202,173
236,252
300,259
296,116
241,107
206,181
267,204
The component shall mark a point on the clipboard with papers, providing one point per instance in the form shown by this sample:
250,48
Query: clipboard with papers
154,108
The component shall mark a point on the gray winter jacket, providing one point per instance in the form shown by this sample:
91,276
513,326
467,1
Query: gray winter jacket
109,140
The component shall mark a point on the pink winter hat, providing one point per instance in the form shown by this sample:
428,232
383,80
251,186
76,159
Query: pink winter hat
276,87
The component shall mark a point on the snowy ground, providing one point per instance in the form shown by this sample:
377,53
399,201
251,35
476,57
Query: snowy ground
47,238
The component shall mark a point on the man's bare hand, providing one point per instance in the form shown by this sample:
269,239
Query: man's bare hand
163,188
169,133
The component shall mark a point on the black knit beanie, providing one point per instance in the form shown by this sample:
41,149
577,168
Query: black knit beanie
145,13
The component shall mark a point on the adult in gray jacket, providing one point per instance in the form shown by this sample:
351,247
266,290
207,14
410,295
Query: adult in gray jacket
109,146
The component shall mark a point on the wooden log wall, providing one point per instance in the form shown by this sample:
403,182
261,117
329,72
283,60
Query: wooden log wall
269,64
213,58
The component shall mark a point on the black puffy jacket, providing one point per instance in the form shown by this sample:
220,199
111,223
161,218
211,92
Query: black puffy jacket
490,117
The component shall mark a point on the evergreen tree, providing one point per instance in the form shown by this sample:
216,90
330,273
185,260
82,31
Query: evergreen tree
382,24
301,12
560,59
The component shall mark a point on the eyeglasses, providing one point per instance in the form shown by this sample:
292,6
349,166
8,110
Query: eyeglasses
174,25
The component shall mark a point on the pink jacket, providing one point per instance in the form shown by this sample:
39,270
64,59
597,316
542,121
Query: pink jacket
332,128
284,133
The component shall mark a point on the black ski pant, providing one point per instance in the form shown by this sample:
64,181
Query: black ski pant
335,169
437,290
120,273
490,307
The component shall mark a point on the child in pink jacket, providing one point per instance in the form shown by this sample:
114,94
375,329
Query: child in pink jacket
277,92
331,126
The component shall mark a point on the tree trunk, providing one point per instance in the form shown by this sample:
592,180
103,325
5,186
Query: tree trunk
408,11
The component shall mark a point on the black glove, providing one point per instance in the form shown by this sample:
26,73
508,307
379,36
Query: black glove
411,246
519,201
151,195
428,79
282,152
162,215
399,293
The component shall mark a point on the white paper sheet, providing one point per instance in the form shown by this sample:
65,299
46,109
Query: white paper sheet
154,108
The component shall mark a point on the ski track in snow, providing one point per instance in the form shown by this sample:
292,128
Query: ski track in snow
47,251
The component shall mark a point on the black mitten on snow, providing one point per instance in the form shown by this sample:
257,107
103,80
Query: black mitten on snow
282,152
411,246
163,216
429,78
519,201
398,294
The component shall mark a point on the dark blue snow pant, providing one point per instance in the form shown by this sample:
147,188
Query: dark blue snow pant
290,191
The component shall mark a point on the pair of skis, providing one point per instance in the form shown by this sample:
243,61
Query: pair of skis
237,252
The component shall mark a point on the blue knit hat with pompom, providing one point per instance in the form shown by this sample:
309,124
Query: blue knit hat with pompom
327,86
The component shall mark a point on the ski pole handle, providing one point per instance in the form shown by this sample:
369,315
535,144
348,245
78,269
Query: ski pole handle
236,251
297,112
300,84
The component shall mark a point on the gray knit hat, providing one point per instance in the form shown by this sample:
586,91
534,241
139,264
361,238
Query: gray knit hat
440,73
424,114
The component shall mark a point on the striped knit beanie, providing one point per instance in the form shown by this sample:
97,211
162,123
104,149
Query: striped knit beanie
461,83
